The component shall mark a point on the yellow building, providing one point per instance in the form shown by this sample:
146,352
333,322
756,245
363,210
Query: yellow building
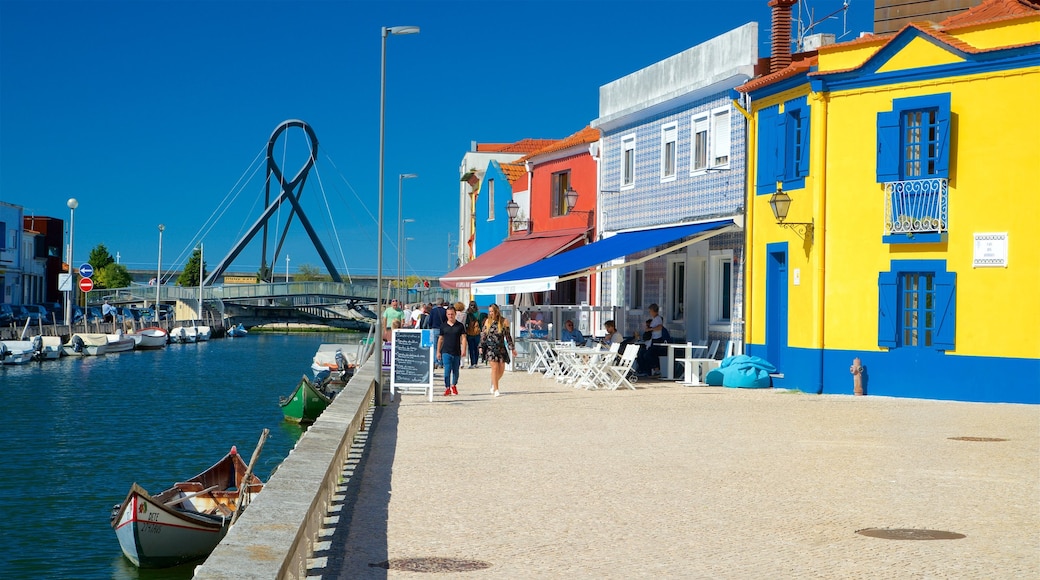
890,213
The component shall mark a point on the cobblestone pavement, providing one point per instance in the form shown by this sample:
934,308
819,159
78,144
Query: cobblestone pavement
688,482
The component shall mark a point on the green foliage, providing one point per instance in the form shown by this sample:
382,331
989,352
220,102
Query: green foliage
99,258
309,273
112,276
190,275
264,274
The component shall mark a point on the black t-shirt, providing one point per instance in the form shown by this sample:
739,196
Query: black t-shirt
452,335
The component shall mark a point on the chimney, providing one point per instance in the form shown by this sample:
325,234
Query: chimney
781,57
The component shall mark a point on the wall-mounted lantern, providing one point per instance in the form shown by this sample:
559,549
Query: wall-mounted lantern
781,204
512,209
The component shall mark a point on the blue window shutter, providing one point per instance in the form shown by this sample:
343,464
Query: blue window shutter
3,236
945,311
888,309
942,168
765,179
803,161
887,146
780,137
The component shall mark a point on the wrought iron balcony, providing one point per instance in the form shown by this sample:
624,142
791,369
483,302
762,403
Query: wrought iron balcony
916,206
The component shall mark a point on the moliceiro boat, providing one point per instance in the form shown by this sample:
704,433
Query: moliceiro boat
185,522
307,402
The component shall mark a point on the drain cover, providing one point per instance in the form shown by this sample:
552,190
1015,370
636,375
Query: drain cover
909,534
977,439
432,565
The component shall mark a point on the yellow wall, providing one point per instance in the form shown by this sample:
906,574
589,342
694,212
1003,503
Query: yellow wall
1007,34
994,157
847,55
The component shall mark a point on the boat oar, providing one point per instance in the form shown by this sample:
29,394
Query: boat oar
243,488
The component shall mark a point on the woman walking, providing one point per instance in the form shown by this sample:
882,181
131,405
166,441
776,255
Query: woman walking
493,341
474,322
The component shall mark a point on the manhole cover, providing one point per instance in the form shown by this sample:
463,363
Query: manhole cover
977,439
909,534
432,565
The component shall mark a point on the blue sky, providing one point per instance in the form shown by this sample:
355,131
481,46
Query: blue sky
155,112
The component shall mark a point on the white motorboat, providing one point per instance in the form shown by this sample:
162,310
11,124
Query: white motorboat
16,352
183,335
86,344
152,337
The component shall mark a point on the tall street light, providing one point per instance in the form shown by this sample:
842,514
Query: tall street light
400,220
386,31
158,277
70,297
404,258
402,266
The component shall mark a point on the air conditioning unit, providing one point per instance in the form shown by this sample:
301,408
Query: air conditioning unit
815,41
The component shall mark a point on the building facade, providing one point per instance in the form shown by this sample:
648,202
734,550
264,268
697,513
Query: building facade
889,218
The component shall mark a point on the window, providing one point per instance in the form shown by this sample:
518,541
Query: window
668,135
720,134
700,143
913,139
628,161
783,146
720,284
917,305
560,182
491,200
677,299
637,288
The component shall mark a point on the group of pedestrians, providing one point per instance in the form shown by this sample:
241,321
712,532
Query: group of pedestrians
457,330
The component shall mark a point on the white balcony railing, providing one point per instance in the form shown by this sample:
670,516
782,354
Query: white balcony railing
917,206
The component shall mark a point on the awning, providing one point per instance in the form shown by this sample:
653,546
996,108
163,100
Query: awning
510,254
544,274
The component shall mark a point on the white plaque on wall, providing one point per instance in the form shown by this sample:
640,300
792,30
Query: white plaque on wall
990,250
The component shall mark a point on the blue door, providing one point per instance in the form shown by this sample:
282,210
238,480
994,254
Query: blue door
776,304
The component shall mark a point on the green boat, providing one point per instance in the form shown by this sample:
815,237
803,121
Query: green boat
306,402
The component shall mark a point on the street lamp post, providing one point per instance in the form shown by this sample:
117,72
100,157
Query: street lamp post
400,219
287,268
404,258
70,296
402,265
158,277
386,31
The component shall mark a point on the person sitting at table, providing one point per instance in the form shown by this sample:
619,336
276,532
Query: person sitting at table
649,361
612,333
569,334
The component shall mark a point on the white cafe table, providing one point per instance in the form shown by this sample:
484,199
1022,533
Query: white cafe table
584,366
689,346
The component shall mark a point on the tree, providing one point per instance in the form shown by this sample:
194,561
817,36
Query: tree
190,275
263,275
309,273
99,258
112,276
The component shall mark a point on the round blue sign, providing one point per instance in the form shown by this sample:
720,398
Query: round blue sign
86,270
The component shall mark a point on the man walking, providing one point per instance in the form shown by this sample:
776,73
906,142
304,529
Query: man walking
451,347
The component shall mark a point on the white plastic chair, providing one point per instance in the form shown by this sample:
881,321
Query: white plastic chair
619,372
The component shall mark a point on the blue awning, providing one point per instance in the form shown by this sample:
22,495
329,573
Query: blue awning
544,274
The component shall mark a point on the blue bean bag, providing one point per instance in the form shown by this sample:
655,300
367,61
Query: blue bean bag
742,371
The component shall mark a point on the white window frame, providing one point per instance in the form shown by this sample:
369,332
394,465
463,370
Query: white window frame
716,261
673,299
628,152
638,287
699,124
491,200
669,135
719,137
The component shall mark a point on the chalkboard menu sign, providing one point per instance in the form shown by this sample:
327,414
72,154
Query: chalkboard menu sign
411,362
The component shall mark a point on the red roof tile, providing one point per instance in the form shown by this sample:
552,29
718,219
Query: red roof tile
991,11
523,146
586,135
513,171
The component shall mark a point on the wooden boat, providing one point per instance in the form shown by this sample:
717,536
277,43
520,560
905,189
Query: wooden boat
86,344
306,402
152,337
188,520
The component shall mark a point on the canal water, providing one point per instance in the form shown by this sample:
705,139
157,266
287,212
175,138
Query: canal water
78,431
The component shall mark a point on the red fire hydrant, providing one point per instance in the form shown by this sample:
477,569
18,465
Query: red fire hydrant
857,376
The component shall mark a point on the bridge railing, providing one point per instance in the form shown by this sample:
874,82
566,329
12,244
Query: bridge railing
141,292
